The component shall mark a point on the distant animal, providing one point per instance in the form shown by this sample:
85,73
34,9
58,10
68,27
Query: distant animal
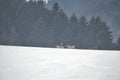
60,46
71,46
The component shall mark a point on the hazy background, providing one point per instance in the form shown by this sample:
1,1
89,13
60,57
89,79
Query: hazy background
108,10
45,25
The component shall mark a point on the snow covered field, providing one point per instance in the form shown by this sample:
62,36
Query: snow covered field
22,63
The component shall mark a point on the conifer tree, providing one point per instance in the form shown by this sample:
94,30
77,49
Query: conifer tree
100,34
74,28
55,9
118,44
83,32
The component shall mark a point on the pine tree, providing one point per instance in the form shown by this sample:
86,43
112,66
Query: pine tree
100,34
55,9
91,33
83,32
83,21
73,19
12,38
118,43
62,25
74,29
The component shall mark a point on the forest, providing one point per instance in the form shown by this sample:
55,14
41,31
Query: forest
33,24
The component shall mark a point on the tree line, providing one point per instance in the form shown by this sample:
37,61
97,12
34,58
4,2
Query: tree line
33,24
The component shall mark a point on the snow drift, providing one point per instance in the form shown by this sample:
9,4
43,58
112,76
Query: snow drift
22,63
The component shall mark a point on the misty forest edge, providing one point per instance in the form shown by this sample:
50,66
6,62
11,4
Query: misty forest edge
33,24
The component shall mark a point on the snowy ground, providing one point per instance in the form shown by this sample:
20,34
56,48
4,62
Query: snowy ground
22,63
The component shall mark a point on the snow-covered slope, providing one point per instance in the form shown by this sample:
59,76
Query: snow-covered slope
22,63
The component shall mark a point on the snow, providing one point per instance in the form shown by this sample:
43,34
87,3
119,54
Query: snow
27,63
46,1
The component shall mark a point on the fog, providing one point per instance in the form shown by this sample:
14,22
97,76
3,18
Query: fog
108,10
